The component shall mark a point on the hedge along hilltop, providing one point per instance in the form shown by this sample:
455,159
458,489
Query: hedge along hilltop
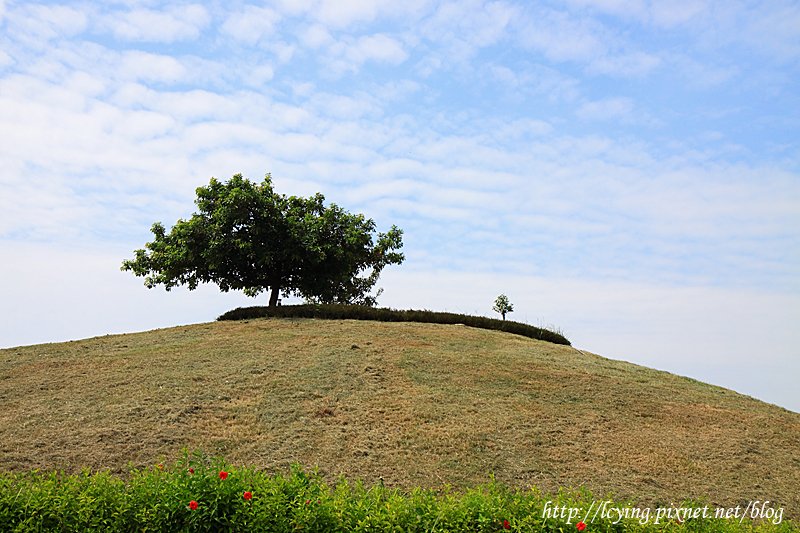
356,312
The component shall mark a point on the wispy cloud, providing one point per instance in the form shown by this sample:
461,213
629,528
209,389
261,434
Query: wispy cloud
349,55
36,24
460,29
251,24
167,25
630,64
773,31
609,108
560,36
341,14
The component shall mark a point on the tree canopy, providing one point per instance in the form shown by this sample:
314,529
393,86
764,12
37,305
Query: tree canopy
245,236
503,305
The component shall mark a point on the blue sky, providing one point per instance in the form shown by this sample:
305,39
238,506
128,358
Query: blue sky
628,171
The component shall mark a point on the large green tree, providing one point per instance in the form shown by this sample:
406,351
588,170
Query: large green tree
245,236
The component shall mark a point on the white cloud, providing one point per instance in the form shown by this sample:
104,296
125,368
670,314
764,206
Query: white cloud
35,24
563,37
538,80
351,54
342,14
626,64
294,7
677,12
147,67
479,23
38,208
343,107
176,23
720,27
662,14
5,59
462,28
316,36
702,75
378,48
259,76
701,201
251,24
774,31
606,109
58,131
620,8
397,90
131,64
429,65
506,132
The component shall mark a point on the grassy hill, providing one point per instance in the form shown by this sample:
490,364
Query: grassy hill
413,404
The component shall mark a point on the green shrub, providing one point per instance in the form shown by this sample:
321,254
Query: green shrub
355,312
159,499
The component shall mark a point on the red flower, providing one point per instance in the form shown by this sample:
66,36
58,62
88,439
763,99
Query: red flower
247,495
581,526
223,475
161,467
192,505
191,470
506,525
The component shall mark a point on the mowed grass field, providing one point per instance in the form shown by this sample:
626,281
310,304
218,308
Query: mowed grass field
410,404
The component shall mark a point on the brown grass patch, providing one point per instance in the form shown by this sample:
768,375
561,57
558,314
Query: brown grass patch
412,404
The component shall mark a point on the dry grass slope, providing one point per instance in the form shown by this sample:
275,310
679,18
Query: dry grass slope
414,404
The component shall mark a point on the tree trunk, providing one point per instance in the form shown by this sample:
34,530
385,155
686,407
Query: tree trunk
273,296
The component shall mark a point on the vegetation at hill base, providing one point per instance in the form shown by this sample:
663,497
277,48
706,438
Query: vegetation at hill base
356,312
201,494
